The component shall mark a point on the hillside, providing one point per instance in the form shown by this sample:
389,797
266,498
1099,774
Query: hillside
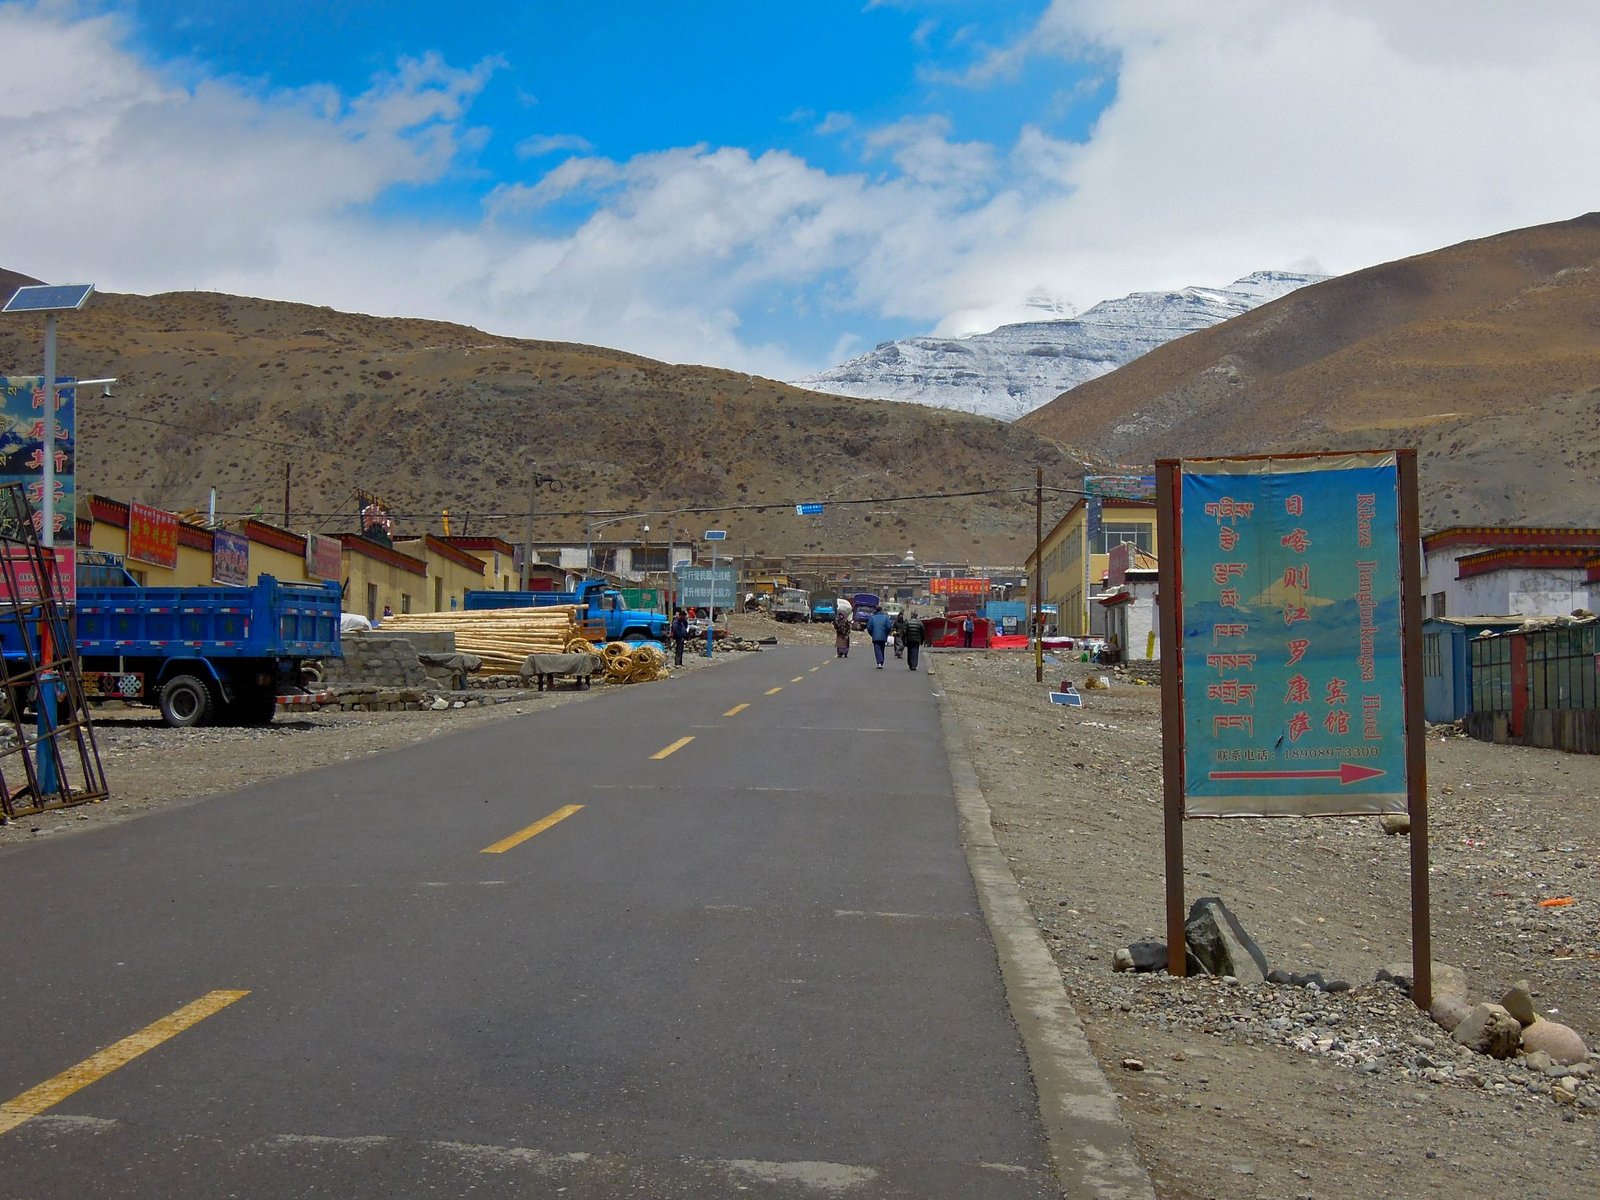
226,391
1012,370
1485,356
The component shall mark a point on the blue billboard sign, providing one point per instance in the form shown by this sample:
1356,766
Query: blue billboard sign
808,510
1292,639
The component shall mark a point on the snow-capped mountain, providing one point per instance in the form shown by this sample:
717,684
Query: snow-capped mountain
1016,368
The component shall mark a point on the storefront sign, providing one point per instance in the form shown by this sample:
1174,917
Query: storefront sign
152,535
958,587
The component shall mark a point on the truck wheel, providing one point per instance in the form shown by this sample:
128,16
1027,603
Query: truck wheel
185,701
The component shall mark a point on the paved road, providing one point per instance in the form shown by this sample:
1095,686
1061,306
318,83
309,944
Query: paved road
753,966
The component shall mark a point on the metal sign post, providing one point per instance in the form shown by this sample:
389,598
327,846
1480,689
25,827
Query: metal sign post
713,536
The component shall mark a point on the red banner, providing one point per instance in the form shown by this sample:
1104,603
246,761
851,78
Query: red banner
959,587
27,579
152,535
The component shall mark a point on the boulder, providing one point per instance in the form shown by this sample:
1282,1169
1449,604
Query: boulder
1490,1029
1219,942
1395,823
1518,1001
1560,1042
1449,1011
1148,956
1122,960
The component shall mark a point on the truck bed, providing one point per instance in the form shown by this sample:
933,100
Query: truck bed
268,620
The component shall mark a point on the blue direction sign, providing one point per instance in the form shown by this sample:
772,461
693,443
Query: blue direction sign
808,510
716,535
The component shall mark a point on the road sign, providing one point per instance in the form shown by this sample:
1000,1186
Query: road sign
808,510
705,587
716,535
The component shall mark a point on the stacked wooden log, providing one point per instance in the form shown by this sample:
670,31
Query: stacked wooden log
502,637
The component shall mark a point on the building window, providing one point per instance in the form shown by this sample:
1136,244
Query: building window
1114,533
1432,657
405,602
650,558
1436,605
372,601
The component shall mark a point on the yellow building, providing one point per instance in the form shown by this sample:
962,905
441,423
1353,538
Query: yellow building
1073,567
451,571
103,526
499,558
376,576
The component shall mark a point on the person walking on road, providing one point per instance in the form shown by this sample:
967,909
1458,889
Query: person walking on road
966,631
913,636
878,627
841,635
680,631
897,635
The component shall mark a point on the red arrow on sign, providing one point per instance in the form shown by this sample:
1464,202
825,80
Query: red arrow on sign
1344,773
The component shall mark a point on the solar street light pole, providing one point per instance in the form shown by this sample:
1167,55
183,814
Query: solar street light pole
47,507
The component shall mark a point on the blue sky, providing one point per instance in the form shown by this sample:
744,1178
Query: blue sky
774,187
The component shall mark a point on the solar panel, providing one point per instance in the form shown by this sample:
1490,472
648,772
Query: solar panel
49,298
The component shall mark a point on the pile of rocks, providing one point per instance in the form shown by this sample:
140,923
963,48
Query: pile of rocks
1528,1052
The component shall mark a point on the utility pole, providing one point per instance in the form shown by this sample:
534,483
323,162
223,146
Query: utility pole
1038,574
286,469
535,482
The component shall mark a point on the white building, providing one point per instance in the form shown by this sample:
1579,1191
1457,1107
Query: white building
1527,570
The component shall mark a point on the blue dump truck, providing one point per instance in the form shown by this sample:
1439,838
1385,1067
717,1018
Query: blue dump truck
599,606
198,653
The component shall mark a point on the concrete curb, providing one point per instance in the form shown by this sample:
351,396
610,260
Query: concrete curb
1093,1151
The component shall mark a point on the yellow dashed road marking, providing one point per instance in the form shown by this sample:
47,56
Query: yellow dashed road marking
676,746
736,710
97,1066
538,827
774,691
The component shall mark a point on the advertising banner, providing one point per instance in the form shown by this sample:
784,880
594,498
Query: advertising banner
230,558
323,556
152,535
958,587
22,418
1122,487
1290,604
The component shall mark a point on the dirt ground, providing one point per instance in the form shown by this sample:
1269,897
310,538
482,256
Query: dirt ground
1230,1091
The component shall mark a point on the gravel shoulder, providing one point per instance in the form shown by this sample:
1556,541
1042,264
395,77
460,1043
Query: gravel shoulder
1230,1091
1239,1091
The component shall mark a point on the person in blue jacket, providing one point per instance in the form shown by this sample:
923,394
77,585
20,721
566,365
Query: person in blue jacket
878,626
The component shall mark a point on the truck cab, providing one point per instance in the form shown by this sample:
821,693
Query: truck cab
822,610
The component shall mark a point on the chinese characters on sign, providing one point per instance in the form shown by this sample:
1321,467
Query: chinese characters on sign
1293,672
958,587
152,535
23,409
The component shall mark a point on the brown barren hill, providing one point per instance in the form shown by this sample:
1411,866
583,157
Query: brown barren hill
1485,356
224,391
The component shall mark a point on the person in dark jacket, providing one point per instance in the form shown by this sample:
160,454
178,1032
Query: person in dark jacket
878,627
680,630
914,636
897,635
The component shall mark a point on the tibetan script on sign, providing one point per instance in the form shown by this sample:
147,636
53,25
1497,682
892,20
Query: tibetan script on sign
1293,672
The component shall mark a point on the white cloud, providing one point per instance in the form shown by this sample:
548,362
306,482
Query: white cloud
1241,136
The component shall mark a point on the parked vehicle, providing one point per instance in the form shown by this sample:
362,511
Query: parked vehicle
822,610
597,602
792,604
197,653
864,605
